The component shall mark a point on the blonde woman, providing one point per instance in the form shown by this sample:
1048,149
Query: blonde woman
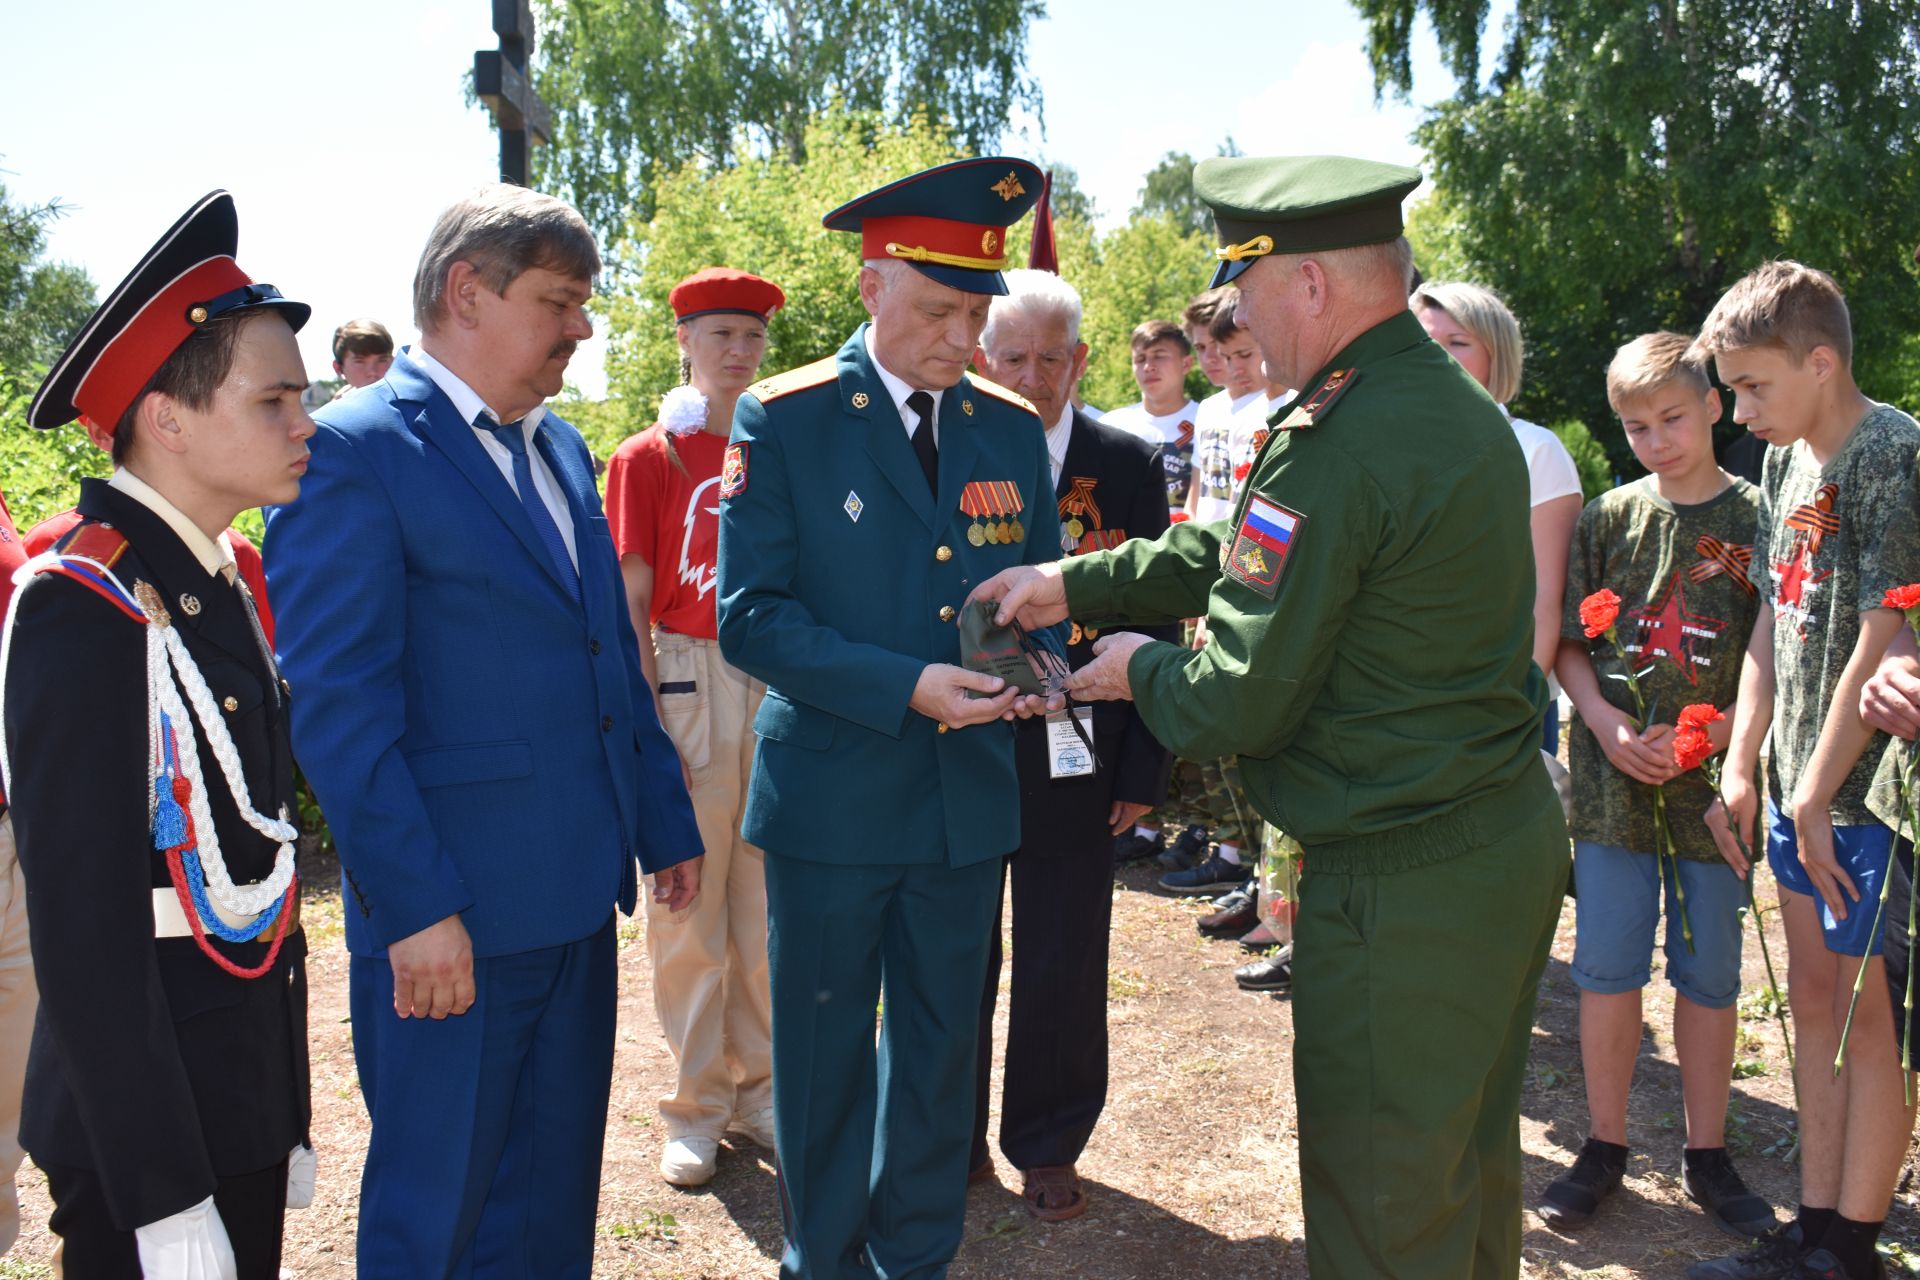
1476,328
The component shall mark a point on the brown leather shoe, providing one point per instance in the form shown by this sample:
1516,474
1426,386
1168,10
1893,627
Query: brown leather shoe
1053,1193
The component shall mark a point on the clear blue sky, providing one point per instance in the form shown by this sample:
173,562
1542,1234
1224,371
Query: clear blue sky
341,137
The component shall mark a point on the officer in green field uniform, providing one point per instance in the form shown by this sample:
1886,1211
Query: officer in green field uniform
1370,609
860,498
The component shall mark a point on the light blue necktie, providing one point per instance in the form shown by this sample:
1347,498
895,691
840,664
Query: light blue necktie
543,524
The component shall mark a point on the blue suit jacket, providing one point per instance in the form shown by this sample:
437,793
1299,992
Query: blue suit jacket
830,590
479,742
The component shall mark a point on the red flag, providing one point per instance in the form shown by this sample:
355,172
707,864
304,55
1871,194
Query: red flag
1042,257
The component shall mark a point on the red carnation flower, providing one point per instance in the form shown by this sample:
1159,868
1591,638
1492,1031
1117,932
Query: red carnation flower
1690,747
1598,611
1698,716
1903,598
1240,472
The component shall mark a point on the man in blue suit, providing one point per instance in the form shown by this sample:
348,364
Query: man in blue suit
861,498
474,721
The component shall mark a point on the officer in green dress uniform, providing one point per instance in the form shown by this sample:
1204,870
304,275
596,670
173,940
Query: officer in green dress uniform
1370,611
861,498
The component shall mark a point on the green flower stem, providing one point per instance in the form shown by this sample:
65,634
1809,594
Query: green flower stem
1711,769
1860,978
1906,1027
1663,851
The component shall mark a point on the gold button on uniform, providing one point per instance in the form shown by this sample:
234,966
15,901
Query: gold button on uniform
943,554
946,613
942,728
231,703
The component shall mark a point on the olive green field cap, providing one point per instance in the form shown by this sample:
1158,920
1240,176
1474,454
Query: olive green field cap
1299,204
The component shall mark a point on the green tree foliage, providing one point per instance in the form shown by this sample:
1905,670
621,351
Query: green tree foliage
42,304
763,215
1168,189
639,86
1148,269
1624,164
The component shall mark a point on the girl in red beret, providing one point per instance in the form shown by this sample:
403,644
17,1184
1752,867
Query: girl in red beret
663,500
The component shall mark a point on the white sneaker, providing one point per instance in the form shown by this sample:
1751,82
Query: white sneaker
688,1162
757,1126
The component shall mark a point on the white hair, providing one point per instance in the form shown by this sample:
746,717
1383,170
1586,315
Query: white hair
1030,291
889,268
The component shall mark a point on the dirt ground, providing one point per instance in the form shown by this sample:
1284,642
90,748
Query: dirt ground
1192,1171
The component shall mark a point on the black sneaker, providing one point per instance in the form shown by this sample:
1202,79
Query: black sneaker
1774,1256
1215,875
1714,1184
1233,913
1134,846
1189,847
1571,1200
1822,1265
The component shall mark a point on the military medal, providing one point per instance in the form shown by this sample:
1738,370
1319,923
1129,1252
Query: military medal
1078,501
998,503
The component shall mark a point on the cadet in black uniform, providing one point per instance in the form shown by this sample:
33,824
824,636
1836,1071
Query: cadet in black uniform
151,782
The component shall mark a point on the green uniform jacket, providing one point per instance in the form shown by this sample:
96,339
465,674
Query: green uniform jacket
1379,691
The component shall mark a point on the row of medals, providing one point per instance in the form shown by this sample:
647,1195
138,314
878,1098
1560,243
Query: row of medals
998,532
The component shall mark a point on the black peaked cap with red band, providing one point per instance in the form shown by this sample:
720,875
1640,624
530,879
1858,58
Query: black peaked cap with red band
187,279
948,222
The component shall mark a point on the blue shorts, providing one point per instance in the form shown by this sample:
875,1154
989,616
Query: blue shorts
1862,853
1619,907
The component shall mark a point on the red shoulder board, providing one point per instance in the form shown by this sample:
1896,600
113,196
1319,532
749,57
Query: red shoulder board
98,542
1311,411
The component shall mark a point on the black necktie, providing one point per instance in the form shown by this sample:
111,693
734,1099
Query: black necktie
922,403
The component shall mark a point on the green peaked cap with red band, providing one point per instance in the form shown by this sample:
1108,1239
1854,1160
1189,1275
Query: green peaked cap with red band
1299,204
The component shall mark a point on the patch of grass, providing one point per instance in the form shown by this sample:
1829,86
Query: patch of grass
1748,1068
650,1225
1125,984
1548,1076
1739,1140
1203,1066
21,1269
1898,1256
1762,1002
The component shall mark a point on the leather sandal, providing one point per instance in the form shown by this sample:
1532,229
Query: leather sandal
1053,1193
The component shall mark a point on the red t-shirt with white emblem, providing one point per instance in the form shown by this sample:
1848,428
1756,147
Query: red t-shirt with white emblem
12,554
669,516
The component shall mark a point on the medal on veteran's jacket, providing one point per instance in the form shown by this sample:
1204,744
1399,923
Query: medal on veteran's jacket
1261,545
999,499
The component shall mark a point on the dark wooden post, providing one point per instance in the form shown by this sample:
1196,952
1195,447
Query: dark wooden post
500,81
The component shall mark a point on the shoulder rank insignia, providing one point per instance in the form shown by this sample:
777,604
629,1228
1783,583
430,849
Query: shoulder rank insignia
101,543
1310,412
999,392
807,375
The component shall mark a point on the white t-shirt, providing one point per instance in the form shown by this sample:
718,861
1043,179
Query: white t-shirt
1222,439
1550,470
1154,428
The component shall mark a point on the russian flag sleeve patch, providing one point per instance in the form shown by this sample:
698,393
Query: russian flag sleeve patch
1261,545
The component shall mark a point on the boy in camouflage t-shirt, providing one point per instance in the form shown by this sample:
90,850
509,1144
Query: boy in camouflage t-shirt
1839,524
1673,547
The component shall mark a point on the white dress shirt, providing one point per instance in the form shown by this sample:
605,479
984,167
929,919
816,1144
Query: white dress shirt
899,391
468,404
1057,436
214,555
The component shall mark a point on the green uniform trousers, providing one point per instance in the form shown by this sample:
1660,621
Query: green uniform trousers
1413,1004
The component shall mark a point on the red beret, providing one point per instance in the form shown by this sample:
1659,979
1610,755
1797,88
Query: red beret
724,290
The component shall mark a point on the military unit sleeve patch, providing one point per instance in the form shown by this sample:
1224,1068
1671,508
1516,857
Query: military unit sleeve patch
1261,545
733,471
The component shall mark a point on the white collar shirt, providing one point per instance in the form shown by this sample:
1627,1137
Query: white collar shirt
214,555
1057,436
898,391
468,404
